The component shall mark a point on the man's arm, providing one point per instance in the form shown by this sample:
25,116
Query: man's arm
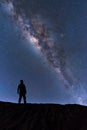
18,90
25,89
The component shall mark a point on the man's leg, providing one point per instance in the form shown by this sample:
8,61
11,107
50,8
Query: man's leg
20,96
24,97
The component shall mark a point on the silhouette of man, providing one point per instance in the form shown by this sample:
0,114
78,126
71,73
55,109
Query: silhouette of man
21,91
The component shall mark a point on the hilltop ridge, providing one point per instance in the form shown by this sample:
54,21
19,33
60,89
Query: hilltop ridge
42,116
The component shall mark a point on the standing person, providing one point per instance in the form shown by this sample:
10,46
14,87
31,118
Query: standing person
21,90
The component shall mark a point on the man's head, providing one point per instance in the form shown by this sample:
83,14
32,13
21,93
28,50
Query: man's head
21,81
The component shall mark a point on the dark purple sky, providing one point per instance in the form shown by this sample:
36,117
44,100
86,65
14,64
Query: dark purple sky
63,42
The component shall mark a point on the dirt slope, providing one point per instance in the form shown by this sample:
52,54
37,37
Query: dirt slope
42,117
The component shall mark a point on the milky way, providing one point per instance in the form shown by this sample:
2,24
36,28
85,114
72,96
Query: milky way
36,30
36,26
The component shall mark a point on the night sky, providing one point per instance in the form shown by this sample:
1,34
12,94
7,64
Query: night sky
43,42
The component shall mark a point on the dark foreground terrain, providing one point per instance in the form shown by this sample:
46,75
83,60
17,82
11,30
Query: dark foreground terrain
42,117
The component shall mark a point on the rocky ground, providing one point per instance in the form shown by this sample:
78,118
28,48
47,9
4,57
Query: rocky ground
42,117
